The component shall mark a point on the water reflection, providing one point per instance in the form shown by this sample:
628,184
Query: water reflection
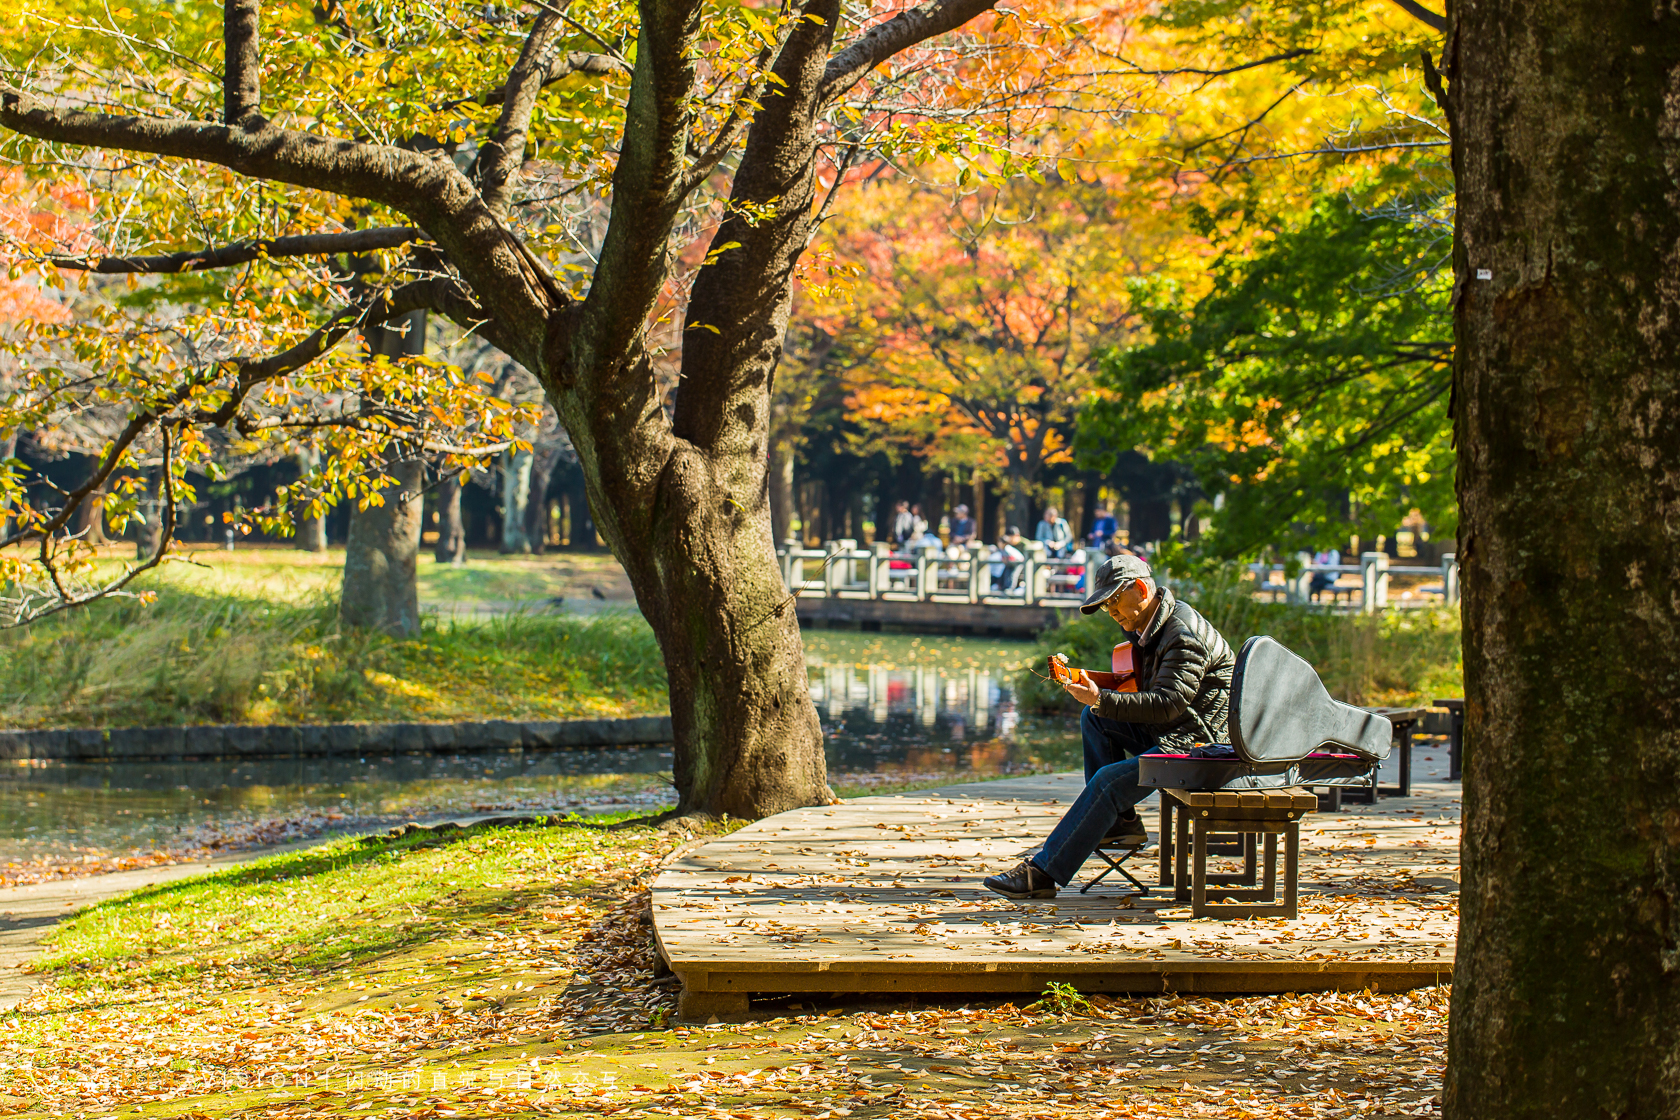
892,707
896,704
58,809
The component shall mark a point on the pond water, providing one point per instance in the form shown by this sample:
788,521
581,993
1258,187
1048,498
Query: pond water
894,708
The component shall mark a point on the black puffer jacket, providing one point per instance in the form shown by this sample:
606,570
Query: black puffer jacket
1184,666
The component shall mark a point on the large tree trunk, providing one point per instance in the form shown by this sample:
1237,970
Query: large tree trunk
452,532
379,591
516,495
1566,997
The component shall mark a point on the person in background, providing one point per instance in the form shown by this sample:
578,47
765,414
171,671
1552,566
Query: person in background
1007,561
962,527
918,523
1103,528
903,525
1324,581
1054,532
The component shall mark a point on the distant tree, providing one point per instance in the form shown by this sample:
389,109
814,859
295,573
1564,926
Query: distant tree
419,126
1309,386
976,316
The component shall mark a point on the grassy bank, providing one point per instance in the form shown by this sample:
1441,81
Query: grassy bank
208,657
1397,658
510,972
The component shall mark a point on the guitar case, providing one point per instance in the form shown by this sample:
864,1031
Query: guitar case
1286,730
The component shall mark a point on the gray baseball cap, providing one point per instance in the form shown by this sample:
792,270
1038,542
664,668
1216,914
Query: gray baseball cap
1112,575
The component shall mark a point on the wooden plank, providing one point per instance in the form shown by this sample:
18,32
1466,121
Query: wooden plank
884,894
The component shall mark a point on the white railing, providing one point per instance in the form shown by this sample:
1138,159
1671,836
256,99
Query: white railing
843,570
1374,571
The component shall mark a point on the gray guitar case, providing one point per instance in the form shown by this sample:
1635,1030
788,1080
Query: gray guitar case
1286,730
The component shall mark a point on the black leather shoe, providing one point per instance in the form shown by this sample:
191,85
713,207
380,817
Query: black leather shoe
1025,881
1127,834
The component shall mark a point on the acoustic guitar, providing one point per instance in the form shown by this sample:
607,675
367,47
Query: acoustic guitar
1122,678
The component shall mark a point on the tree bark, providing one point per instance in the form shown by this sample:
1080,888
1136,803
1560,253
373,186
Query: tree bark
379,590
1566,127
781,491
452,533
379,564
536,506
310,533
516,495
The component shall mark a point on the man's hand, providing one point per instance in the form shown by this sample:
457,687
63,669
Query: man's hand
1084,691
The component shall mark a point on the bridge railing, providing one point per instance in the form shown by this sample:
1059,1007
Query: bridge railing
1373,589
842,569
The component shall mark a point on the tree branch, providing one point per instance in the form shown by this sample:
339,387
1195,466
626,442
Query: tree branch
889,37
242,252
502,157
420,295
1423,15
428,189
1285,56
648,188
737,313
241,61
574,62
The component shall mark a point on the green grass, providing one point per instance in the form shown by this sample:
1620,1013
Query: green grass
205,657
321,908
278,573
1396,658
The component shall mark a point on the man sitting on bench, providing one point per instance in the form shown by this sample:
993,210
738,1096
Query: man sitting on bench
1184,672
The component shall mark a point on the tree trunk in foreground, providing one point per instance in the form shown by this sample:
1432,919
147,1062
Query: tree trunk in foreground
379,590
452,532
1566,998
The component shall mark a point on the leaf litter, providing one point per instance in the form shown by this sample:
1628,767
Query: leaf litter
533,991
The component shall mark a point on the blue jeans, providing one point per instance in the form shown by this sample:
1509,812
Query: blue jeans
1111,790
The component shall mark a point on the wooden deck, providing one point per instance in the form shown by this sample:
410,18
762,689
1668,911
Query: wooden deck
883,894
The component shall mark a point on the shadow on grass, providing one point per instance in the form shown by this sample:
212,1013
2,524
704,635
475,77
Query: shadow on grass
354,940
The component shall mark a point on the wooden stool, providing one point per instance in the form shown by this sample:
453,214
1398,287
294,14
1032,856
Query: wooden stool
1250,814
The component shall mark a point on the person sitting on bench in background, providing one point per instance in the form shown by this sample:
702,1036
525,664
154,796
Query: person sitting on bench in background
1184,670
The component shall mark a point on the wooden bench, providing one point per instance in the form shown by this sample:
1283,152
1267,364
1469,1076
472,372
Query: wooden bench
1203,819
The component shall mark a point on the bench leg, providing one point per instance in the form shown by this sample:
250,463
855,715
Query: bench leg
1198,882
699,1007
1291,867
1181,856
1166,841
1263,902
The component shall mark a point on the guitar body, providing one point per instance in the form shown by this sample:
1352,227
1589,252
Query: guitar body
1122,678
